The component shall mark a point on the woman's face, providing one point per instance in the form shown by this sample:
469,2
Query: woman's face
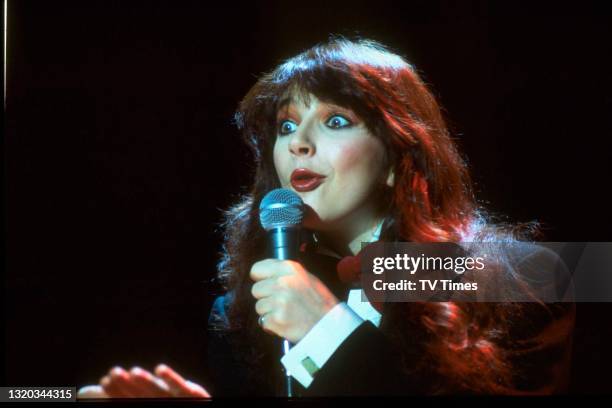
325,153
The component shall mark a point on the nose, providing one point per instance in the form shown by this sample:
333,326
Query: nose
301,143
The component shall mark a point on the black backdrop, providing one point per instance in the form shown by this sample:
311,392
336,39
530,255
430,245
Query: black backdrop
120,153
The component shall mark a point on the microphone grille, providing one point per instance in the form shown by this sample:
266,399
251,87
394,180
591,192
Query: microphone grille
281,208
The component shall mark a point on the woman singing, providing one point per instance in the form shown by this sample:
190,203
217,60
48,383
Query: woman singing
352,129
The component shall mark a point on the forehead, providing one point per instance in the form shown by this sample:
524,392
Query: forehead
299,100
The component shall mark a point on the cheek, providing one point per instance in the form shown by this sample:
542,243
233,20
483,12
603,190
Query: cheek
279,161
358,159
348,157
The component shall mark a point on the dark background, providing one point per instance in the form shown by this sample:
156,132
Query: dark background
120,154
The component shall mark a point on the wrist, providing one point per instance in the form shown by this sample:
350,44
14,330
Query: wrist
330,302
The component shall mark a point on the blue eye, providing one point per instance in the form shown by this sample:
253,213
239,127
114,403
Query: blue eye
338,122
287,127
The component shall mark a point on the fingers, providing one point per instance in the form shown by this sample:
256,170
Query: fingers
264,306
138,382
175,382
264,288
91,391
263,269
269,268
117,383
147,385
270,275
197,390
178,385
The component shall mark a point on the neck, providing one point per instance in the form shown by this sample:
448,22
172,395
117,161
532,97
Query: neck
348,241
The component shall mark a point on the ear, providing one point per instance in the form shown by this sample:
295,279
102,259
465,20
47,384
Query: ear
391,178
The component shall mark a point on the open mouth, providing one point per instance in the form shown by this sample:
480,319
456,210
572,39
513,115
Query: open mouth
306,180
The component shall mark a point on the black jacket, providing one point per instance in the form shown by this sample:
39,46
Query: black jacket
369,362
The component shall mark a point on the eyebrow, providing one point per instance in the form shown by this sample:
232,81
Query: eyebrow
283,107
286,103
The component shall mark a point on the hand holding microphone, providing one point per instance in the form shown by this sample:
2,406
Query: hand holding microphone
290,300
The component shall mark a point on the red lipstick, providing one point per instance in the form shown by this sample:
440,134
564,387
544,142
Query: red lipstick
306,180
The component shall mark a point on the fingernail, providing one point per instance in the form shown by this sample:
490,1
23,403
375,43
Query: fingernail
136,370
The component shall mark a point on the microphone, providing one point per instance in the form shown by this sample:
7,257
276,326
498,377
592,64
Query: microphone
281,212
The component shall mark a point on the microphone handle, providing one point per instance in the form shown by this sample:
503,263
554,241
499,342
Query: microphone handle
288,384
284,242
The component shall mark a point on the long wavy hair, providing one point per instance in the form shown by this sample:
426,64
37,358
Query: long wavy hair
463,347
